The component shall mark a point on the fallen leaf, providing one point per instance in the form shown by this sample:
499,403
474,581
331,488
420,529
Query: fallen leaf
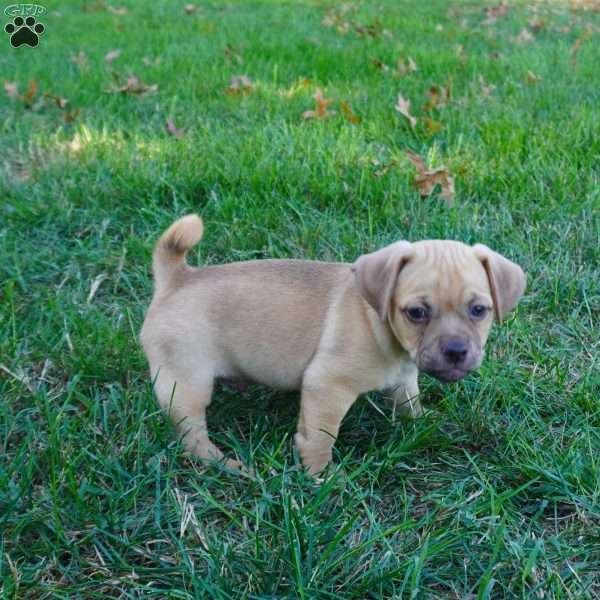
176,132
380,65
416,160
536,24
426,180
134,86
190,8
117,10
493,13
533,78
60,101
403,68
11,88
80,59
403,107
373,30
439,97
112,55
460,53
348,114
29,96
337,17
320,111
486,90
232,55
239,84
524,37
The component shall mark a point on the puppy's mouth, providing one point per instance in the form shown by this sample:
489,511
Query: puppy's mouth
448,375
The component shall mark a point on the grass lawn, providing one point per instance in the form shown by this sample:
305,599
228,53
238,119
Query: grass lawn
495,494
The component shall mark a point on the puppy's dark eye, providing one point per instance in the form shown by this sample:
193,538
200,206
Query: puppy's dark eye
478,311
417,314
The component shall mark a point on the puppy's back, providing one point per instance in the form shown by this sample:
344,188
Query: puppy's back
260,320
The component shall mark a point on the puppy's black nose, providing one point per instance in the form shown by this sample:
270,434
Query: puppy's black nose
455,351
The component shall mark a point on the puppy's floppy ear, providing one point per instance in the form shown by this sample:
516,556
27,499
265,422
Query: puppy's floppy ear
507,280
377,274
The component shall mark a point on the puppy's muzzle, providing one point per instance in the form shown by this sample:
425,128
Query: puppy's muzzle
450,358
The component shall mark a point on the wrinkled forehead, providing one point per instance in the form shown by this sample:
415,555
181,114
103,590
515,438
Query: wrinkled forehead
444,271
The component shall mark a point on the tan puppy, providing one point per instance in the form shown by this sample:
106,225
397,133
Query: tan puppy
333,330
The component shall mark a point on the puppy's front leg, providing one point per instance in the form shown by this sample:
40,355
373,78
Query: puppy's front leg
404,398
323,406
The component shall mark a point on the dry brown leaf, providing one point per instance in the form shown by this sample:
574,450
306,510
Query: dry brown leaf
190,8
427,180
403,107
348,114
337,17
176,132
380,65
60,101
416,160
404,68
239,84
11,88
112,55
29,96
495,12
320,111
533,78
524,37
134,86
373,30
536,24
438,97
486,89
117,10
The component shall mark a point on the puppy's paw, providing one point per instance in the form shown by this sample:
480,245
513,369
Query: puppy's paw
314,459
412,409
197,444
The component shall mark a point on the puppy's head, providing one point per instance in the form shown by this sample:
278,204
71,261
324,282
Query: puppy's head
439,298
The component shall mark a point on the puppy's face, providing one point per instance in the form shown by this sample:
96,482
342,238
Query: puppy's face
440,298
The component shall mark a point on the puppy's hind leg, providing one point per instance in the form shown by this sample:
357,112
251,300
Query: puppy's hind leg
186,404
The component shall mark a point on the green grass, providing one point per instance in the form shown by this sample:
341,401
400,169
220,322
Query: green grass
497,495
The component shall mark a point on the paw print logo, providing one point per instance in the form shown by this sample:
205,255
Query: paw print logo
24,31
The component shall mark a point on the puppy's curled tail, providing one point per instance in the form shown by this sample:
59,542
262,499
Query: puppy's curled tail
171,249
